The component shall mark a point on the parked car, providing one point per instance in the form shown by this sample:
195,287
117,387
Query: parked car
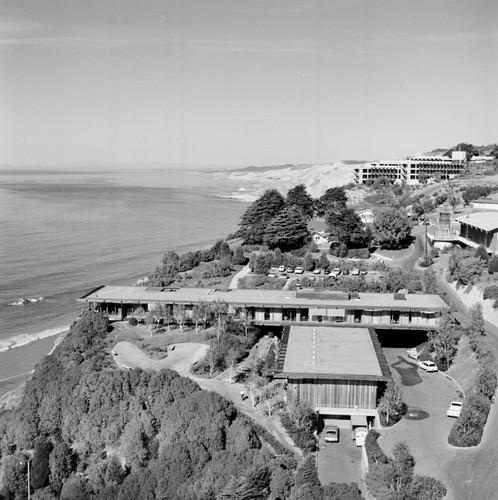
331,434
333,274
299,270
337,270
281,269
355,271
289,270
271,275
412,353
455,409
363,272
345,272
317,271
428,366
283,277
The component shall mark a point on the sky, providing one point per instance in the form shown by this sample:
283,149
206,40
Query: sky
255,82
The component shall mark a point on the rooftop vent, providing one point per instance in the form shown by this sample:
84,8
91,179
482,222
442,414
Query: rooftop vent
399,296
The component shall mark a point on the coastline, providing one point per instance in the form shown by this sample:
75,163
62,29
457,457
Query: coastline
11,389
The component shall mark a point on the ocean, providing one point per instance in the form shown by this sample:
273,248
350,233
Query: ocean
66,231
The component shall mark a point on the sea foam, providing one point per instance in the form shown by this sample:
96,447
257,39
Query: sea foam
28,338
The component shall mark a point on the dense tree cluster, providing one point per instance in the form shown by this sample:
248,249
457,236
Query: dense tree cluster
392,229
391,406
443,341
465,268
470,193
468,429
394,478
173,264
469,149
99,432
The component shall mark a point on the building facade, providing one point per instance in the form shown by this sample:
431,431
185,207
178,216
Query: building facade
278,307
479,228
407,171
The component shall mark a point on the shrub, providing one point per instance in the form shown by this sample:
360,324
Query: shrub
427,488
467,430
358,253
374,451
133,321
493,264
490,292
434,252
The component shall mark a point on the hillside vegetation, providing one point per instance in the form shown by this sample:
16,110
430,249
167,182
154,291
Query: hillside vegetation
97,432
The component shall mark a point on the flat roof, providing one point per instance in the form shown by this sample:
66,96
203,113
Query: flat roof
491,201
268,298
327,352
487,221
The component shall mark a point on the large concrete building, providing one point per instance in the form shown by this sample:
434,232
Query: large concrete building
279,307
407,171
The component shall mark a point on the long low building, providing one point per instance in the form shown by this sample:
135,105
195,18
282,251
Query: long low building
279,307
479,228
337,371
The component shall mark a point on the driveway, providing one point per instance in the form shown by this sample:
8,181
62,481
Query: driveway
339,462
425,427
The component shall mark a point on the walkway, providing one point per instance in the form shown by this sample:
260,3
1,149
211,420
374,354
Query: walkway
180,360
235,280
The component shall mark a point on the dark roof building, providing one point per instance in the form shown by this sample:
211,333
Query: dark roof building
480,228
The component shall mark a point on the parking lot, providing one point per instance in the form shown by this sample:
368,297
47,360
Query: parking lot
339,462
425,427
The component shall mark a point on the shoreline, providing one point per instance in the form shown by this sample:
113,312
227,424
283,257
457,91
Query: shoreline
11,385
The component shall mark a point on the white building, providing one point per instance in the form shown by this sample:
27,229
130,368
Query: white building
408,170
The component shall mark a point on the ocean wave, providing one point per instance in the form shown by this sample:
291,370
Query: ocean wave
240,196
28,338
21,301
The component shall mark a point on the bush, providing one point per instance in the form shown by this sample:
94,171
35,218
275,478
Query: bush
374,451
490,292
467,430
427,488
358,253
133,321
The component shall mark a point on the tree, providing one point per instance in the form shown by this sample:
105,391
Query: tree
269,395
40,469
256,218
238,256
287,230
476,323
309,262
345,226
254,384
61,465
278,258
219,309
391,406
392,229
464,267
180,316
493,264
231,357
246,319
299,198
481,253
16,468
429,281
333,199
212,360
443,341
404,464
469,149
323,261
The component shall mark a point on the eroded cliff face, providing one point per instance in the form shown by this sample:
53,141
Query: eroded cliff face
316,178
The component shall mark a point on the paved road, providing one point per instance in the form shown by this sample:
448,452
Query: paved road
473,473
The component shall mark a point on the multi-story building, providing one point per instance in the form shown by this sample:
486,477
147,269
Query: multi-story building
408,170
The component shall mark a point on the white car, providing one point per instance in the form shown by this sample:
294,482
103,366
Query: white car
412,353
331,434
455,409
299,270
281,269
428,366
317,271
